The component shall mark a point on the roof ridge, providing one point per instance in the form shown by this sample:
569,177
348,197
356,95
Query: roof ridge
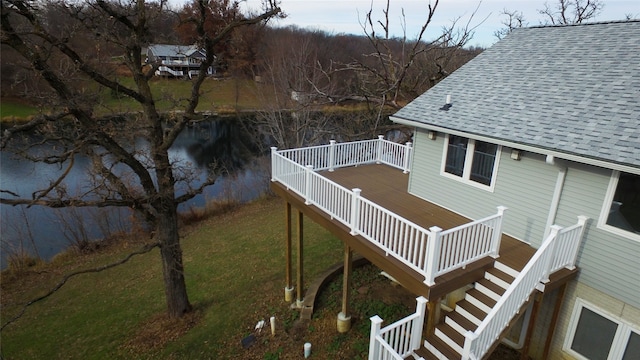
580,24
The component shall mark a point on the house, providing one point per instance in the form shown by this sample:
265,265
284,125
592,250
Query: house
177,60
515,213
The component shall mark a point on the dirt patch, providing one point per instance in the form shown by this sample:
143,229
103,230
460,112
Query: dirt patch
372,294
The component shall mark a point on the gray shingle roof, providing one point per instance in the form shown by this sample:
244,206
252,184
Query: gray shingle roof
163,50
570,89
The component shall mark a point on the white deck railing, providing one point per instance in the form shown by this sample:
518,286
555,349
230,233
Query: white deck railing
400,339
557,251
431,253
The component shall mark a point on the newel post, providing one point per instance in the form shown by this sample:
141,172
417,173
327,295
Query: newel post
308,191
407,158
332,154
421,309
497,233
469,338
573,256
355,211
433,255
273,163
376,323
548,260
380,144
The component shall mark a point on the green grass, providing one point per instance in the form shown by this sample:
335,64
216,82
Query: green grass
217,95
12,108
233,264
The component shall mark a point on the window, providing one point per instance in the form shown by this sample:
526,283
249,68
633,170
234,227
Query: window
594,335
621,209
469,160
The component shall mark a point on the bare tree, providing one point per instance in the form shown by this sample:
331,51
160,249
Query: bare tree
514,19
79,124
567,12
381,72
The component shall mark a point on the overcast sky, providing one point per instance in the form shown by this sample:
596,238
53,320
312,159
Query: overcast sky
345,16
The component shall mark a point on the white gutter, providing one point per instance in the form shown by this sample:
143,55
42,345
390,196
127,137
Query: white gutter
524,147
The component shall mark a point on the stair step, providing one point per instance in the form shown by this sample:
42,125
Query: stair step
481,300
499,277
460,323
506,269
470,311
489,288
450,336
439,349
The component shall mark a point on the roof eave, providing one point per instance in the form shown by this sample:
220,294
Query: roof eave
521,146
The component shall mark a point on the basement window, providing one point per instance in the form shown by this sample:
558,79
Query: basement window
621,210
472,161
594,334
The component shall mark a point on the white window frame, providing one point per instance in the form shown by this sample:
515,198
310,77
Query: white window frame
468,160
620,339
606,206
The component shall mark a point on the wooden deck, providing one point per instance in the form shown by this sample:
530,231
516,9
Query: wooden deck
387,187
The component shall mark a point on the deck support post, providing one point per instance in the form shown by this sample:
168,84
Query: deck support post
433,312
344,317
554,320
300,269
288,289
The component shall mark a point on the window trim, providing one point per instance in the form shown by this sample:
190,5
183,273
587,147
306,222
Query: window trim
606,206
468,160
620,338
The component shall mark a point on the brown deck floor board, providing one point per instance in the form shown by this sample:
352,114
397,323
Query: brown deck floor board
388,187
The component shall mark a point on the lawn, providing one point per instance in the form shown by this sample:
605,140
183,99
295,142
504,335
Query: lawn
234,267
217,95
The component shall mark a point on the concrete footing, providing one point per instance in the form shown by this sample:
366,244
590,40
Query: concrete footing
343,323
288,294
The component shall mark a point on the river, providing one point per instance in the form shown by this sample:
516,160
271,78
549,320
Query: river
221,144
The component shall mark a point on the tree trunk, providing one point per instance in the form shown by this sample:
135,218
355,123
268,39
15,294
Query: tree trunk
172,268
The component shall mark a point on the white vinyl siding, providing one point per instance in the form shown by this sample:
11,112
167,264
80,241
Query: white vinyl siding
527,214
608,262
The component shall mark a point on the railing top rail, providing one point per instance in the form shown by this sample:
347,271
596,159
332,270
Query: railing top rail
339,144
469,224
402,321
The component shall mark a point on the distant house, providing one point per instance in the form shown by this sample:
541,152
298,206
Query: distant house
544,126
177,60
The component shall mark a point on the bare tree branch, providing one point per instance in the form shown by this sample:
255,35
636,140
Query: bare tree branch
64,280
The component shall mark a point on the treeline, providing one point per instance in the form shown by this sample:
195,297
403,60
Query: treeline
312,64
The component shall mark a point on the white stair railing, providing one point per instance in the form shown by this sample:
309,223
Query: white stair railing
558,250
398,340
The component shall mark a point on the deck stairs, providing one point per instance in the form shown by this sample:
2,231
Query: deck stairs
448,339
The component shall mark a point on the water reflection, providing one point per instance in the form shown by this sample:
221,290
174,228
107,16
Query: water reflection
219,147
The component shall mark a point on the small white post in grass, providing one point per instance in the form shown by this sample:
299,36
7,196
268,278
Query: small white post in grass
307,350
273,326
